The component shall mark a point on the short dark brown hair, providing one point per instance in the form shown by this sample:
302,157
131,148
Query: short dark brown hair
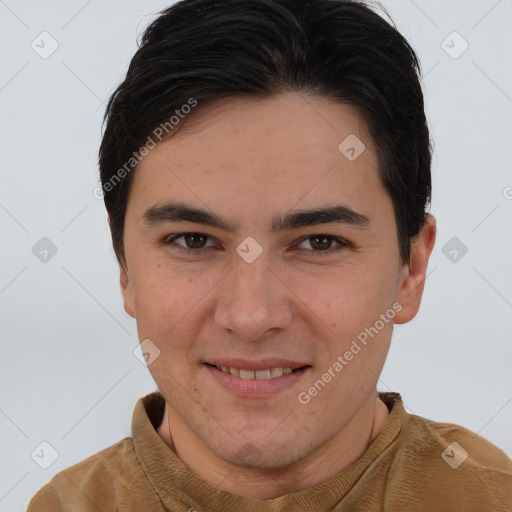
212,49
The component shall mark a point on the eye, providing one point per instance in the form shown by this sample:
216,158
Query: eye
323,243
193,242
198,242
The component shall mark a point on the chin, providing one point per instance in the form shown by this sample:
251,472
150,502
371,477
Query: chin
260,454
252,459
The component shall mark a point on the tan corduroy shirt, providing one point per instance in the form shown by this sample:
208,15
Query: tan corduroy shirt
411,466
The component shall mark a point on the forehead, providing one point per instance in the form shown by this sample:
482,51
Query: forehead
310,124
280,149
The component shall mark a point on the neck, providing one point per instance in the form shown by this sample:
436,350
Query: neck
335,456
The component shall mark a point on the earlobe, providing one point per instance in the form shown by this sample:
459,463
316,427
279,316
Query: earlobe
126,291
412,279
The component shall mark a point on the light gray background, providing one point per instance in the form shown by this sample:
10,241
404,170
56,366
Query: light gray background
68,373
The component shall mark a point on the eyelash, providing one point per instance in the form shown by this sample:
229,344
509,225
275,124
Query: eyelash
342,244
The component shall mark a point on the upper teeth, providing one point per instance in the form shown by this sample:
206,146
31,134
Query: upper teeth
270,373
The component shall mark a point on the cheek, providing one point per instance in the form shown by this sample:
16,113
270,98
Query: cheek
346,298
172,304
163,297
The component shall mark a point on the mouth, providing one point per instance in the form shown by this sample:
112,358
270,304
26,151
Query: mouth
269,373
260,382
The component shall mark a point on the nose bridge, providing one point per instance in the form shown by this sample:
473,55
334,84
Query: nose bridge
251,278
253,299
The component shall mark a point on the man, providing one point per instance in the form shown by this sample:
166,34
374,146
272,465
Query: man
266,171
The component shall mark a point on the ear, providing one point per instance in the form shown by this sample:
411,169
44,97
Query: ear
412,278
127,292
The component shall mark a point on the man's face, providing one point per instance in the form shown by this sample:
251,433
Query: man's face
299,304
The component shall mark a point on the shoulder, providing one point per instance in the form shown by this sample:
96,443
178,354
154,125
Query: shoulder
463,445
89,483
443,464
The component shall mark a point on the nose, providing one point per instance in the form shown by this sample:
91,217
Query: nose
254,300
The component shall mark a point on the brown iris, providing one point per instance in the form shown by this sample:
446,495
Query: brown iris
325,242
195,240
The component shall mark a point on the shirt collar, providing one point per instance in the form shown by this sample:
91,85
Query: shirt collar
174,481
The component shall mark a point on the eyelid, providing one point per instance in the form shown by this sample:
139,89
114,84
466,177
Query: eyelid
169,239
341,243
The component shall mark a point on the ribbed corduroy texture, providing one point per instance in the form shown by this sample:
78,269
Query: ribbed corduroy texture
401,471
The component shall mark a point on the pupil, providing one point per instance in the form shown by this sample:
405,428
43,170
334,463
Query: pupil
190,240
326,242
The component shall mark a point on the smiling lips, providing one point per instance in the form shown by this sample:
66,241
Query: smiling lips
269,373
259,379
265,369
256,381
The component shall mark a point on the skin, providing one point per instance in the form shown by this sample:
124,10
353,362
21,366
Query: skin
249,160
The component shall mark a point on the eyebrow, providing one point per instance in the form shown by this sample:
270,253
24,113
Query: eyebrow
175,211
